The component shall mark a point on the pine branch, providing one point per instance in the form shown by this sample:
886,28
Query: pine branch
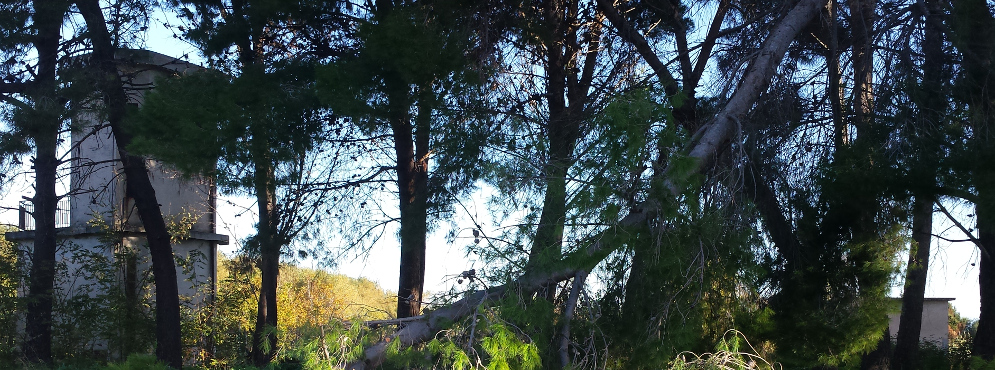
709,140
14,87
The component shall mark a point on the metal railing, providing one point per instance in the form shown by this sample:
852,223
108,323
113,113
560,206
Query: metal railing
26,219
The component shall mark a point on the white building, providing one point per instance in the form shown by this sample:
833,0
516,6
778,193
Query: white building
97,192
935,324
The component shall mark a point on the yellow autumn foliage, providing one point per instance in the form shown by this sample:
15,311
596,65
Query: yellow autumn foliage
311,297
306,295
309,300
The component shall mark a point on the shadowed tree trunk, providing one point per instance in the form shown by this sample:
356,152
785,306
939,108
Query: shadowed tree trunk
862,17
907,345
411,133
863,207
562,131
269,253
44,131
835,93
879,358
249,44
974,36
38,324
758,191
984,341
931,107
139,188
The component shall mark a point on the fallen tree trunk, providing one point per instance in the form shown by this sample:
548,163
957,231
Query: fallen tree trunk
707,142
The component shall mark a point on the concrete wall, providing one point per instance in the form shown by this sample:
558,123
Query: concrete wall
98,191
934,322
76,251
91,264
97,180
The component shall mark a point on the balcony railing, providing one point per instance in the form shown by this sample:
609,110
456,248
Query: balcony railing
26,219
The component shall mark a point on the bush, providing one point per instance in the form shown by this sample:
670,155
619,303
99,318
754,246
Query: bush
139,362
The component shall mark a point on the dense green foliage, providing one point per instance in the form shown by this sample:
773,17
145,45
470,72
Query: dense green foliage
10,280
230,113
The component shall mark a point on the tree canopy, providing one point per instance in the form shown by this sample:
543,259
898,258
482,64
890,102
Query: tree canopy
663,176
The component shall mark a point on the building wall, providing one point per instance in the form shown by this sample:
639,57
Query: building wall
77,253
97,180
934,322
98,192
93,265
98,183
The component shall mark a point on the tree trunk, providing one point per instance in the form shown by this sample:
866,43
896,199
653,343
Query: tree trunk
850,217
38,324
835,93
411,148
932,105
879,358
862,17
863,207
44,132
563,346
644,298
411,141
548,240
270,243
167,301
974,28
140,189
909,327
984,340
560,135
567,94
781,231
132,308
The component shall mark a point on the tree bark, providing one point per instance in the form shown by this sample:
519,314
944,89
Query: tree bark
411,147
567,94
269,253
862,17
758,191
984,340
270,242
571,306
880,357
910,325
974,36
46,122
850,217
931,104
38,324
835,93
167,302
140,189
561,135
